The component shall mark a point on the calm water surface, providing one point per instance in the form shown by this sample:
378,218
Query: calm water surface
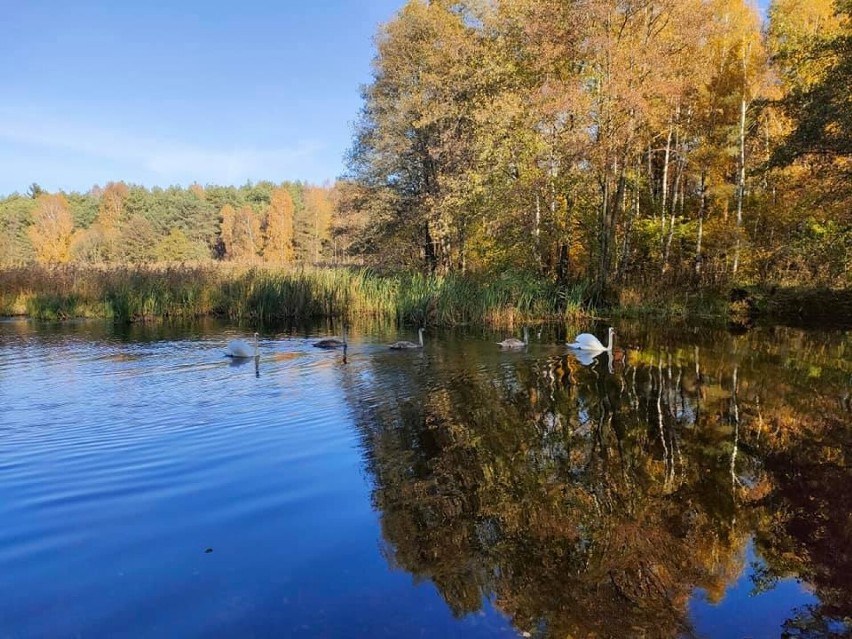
698,485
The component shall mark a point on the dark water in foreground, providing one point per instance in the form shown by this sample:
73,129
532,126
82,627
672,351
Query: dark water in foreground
150,487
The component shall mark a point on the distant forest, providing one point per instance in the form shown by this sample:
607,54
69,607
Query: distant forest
611,143
119,223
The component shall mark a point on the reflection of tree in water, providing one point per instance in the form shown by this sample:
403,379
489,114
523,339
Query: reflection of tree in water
809,534
584,502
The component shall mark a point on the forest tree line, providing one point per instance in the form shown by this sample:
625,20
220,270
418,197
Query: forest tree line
610,141
120,223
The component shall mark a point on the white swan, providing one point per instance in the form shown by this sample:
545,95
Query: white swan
405,345
241,348
588,342
332,342
514,342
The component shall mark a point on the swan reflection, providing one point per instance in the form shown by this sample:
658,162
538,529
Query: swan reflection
238,362
586,358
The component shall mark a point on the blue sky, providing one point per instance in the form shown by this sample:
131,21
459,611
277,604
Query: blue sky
161,92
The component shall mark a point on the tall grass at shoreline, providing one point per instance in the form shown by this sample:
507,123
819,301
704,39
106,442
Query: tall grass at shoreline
265,294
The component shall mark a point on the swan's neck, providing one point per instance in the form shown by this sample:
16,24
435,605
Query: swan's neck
420,336
609,341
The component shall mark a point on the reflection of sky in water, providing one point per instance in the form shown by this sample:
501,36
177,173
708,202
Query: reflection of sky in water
123,461
742,614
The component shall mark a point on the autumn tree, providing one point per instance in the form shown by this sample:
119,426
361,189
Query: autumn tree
111,207
240,233
815,55
318,207
15,219
52,229
99,242
351,214
746,60
197,190
414,138
278,228
808,199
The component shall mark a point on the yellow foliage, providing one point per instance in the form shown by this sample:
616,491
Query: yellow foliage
279,231
52,229
240,233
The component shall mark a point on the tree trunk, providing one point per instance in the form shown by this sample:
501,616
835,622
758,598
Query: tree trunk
429,249
675,190
610,209
316,237
603,229
563,265
664,186
701,211
634,213
651,193
741,172
740,182
537,232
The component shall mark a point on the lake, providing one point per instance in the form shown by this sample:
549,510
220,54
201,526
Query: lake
698,484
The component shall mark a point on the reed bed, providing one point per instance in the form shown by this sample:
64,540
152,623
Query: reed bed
267,294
